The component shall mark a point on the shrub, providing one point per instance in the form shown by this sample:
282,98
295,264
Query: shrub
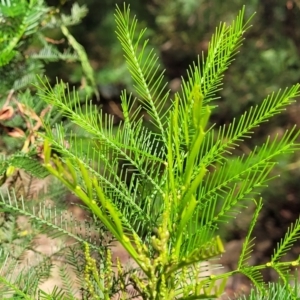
163,193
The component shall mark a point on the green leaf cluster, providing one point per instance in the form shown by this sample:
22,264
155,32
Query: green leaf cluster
163,194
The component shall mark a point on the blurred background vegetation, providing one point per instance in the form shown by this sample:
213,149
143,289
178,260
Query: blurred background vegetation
179,30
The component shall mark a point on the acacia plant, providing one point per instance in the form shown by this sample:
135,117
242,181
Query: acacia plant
161,193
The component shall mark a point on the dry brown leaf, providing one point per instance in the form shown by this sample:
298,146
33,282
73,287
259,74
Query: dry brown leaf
6,113
16,133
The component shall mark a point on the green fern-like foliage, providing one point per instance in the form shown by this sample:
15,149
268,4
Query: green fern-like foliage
164,193
18,21
24,51
276,291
